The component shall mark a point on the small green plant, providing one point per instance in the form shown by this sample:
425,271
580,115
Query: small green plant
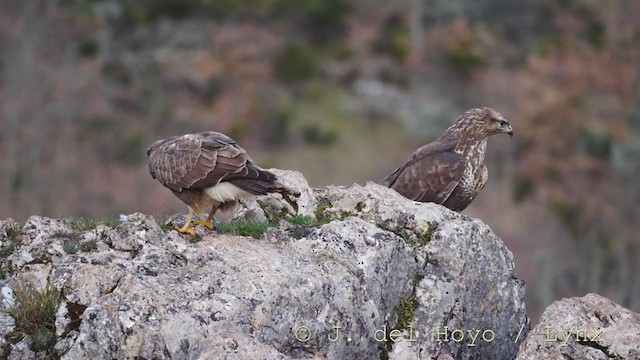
35,316
88,246
320,211
164,224
9,245
70,246
3,272
405,310
12,233
7,250
425,237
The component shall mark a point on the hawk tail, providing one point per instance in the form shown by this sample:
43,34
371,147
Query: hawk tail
264,184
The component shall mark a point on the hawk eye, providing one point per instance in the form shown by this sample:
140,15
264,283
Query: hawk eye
503,123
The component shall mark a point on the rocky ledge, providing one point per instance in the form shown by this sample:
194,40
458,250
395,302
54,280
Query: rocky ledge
340,272
587,328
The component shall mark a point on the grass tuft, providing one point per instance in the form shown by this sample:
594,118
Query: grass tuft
35,316
83,224
9,246
253,229
112,221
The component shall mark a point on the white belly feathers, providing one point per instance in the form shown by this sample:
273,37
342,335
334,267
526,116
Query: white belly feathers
225,191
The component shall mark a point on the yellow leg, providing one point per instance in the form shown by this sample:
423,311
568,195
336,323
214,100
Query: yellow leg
207,223
185,228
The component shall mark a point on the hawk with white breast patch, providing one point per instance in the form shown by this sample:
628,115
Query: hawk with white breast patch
208,170
450,170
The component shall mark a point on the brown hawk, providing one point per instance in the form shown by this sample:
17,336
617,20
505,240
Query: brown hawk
450,170
208,170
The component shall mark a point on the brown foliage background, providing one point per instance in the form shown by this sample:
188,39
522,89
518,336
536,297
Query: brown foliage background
87,85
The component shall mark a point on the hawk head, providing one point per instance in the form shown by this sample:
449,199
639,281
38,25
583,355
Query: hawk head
495,123
481,123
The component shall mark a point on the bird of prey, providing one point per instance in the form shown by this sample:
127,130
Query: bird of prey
450,170
208,170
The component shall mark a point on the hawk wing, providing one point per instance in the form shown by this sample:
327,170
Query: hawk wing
203,160
430,174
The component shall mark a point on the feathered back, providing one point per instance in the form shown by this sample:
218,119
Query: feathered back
203,160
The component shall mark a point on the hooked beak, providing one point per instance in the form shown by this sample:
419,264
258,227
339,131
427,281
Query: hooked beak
508,129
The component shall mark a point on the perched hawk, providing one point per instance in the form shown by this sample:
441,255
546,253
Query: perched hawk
208,169
450,170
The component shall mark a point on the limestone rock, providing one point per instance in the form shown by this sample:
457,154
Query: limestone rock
364,274
590,328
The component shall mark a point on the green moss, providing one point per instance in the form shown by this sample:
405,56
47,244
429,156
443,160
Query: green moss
35,316
414,238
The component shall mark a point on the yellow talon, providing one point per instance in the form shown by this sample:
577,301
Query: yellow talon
187,231
185,228
206,224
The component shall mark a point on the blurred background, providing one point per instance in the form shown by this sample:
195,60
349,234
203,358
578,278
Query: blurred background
343,91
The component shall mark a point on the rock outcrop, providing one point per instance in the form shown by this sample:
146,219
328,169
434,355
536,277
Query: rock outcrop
587,328
341,272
